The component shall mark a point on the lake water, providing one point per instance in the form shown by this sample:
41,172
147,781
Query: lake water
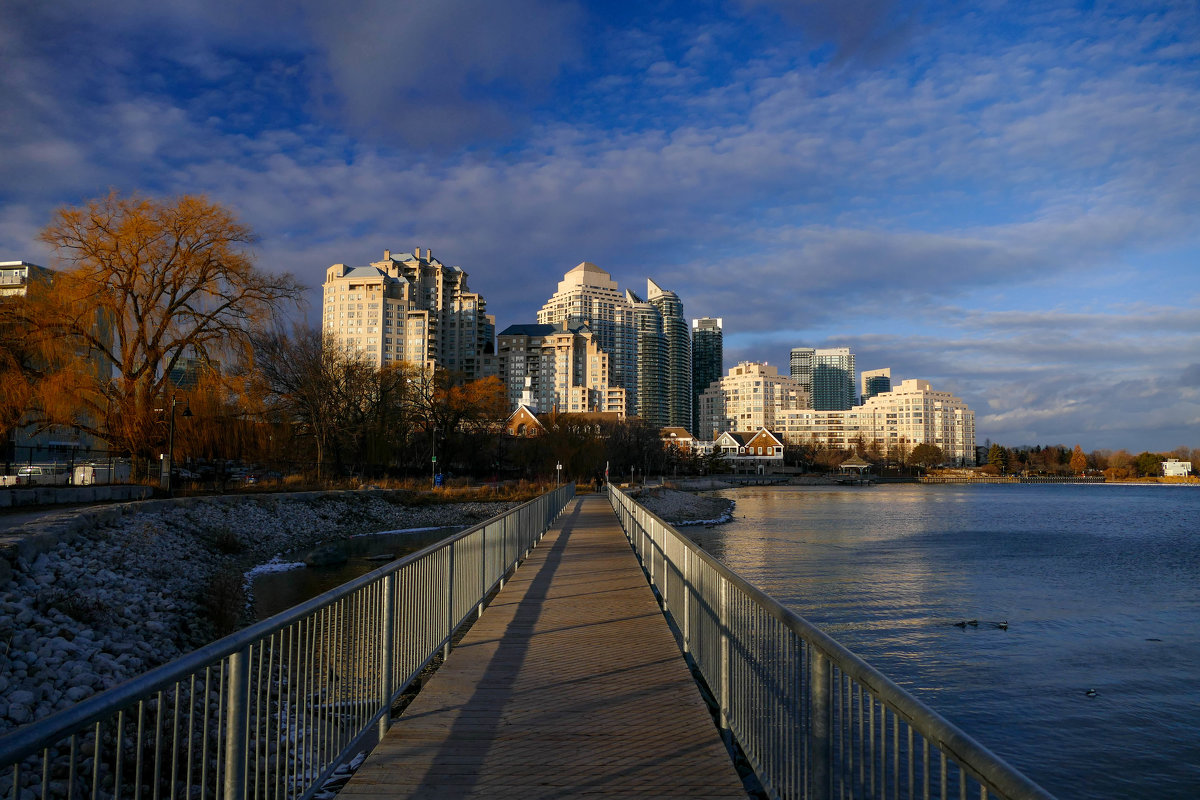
1099,585
274,592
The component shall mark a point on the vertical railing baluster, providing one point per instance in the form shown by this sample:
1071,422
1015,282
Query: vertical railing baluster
820,725
387,642
237,725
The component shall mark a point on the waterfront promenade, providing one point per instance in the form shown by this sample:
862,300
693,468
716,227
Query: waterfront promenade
569,685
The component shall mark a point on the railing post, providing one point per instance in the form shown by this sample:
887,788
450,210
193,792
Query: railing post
238,725
686,627
503,551
726,661
449,600
387,644
483,573
820,734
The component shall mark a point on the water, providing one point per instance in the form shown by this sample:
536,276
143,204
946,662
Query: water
278,591
1099,585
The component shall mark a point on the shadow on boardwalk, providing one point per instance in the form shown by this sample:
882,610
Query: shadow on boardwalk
570,685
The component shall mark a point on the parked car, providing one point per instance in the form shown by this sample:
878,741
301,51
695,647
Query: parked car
42,476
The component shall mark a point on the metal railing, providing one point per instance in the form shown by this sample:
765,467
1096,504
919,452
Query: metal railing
271,711
814,720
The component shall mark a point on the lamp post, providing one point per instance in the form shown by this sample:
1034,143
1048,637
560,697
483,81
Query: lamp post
558,475
187,412
433,465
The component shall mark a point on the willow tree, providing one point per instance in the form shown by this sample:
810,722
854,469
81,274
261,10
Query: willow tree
147,284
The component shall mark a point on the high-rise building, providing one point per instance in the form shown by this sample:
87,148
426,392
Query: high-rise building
707,355
651,398
875,381
828,374
801,363
679,354
749,397
555,368
587,295
409,308
833,381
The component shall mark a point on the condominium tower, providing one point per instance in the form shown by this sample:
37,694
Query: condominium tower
410,308
556,368
587,295
828,374
707,356
678,367
651,400
875,381
749,397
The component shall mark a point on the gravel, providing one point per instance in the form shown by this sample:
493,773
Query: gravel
684,508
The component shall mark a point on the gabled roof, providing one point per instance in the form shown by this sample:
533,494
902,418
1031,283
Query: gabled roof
364,272
523,414
763,432
736,438
587,266
529,330
675,433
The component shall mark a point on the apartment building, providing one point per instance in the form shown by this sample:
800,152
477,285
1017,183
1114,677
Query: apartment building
910,414
749,397
875,381
587,295
557,368
411,308
708,341
677,372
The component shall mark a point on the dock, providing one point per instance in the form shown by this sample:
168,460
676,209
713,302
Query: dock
569,685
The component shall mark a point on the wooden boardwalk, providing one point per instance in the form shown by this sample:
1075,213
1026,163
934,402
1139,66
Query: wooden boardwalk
570,685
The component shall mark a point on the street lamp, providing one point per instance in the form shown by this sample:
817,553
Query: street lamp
433,465
558,475
187,412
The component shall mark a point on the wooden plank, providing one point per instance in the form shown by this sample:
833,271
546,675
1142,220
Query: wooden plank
570,685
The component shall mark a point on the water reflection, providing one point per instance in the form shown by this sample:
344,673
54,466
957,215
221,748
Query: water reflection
1100,586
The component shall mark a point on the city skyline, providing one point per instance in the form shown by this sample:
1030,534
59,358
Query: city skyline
997,201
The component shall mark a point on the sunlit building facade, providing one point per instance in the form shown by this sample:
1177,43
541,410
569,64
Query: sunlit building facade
750,396
889,424
553,368
410,308
587,295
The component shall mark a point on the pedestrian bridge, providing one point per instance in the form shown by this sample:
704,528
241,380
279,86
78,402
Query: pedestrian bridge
585,672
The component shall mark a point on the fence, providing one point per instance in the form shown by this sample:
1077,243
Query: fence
813,719
270,711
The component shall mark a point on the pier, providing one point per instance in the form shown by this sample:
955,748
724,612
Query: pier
568,685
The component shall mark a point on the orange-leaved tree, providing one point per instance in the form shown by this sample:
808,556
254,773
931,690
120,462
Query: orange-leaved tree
1079,460
147,284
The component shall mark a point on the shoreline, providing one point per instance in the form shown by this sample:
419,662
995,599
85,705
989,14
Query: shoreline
130,591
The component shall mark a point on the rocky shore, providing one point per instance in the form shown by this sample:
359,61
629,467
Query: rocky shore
128,595
685,508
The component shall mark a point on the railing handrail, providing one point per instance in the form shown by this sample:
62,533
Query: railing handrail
28,739
978,759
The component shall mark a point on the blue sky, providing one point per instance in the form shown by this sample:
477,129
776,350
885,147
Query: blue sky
1002,198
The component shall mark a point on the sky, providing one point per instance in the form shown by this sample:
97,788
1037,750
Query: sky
1002,198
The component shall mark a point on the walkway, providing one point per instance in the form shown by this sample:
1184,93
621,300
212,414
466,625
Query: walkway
571,685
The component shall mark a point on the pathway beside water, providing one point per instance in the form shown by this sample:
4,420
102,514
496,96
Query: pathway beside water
569,685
